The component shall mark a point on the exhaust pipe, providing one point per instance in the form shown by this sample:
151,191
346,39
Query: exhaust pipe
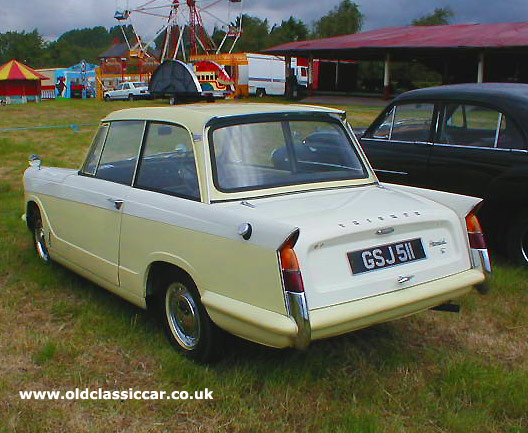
447,307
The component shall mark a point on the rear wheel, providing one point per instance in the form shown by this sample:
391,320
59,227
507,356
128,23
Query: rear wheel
39,238
186,322
261,93
517,239
130,97
107,98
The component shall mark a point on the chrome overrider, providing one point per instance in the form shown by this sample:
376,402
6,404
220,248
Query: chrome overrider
481,260
298,310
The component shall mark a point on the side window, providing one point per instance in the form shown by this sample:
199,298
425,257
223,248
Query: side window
120,152
412,122
92,159
509,135
167,164
470,125
384,130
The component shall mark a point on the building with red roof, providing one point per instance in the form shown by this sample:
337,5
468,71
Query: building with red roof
460,53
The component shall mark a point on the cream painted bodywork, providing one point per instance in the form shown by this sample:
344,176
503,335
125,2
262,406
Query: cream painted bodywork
239,281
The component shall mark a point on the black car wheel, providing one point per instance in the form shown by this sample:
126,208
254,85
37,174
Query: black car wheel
107,98
39,238
186,322
517,239
130,97
261,93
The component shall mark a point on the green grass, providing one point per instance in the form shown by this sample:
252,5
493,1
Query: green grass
433,372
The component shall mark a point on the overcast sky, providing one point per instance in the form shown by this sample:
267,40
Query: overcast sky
52,18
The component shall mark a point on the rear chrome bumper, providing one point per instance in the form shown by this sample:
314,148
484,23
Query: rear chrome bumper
481,261
300,325
298,310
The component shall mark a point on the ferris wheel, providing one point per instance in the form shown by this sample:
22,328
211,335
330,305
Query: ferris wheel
182,23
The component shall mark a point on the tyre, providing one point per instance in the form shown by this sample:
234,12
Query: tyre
107,98
261,93
131,97
517,239
39,238
186,322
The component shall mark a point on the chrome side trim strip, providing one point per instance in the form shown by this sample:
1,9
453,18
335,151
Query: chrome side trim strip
298,310
390,171
459,146
385,140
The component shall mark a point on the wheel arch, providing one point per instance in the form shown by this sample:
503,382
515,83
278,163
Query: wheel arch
157,273
31,210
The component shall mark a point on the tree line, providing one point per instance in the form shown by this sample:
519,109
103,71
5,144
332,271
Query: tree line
89,43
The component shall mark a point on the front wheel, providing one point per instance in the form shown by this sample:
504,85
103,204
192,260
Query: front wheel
517,240
39,238
130,97
106,98
260,93
186,322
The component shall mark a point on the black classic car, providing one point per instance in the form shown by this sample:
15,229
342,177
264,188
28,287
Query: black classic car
469,139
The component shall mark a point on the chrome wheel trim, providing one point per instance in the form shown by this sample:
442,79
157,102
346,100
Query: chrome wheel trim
524,245
40,241
183,316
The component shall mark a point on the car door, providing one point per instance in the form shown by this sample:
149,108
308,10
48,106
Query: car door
88,224
116,94
122,91
476,151
162,213
398,144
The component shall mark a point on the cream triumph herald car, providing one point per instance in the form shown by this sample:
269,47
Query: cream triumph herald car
232,217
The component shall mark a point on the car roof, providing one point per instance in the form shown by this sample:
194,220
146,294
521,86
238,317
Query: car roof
195,116
508,97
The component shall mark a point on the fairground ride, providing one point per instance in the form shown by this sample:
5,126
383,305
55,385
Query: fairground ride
182,25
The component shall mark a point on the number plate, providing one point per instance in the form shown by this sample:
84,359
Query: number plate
384,256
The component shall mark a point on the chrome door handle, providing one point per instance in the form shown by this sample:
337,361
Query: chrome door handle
117,203
404,279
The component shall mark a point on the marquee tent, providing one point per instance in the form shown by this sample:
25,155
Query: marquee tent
19,83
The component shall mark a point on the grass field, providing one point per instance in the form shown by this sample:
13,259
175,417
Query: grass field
434,372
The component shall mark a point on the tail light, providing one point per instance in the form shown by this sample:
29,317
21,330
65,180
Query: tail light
476,237
291,273
478,249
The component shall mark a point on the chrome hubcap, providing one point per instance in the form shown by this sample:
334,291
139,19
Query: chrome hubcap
40,241
182,316
524,245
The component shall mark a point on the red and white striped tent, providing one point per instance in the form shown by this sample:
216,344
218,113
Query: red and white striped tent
19,83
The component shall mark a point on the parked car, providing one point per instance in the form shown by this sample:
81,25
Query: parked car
468,139
184,208
130,90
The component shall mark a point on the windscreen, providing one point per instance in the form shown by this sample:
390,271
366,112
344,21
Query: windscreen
279,153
